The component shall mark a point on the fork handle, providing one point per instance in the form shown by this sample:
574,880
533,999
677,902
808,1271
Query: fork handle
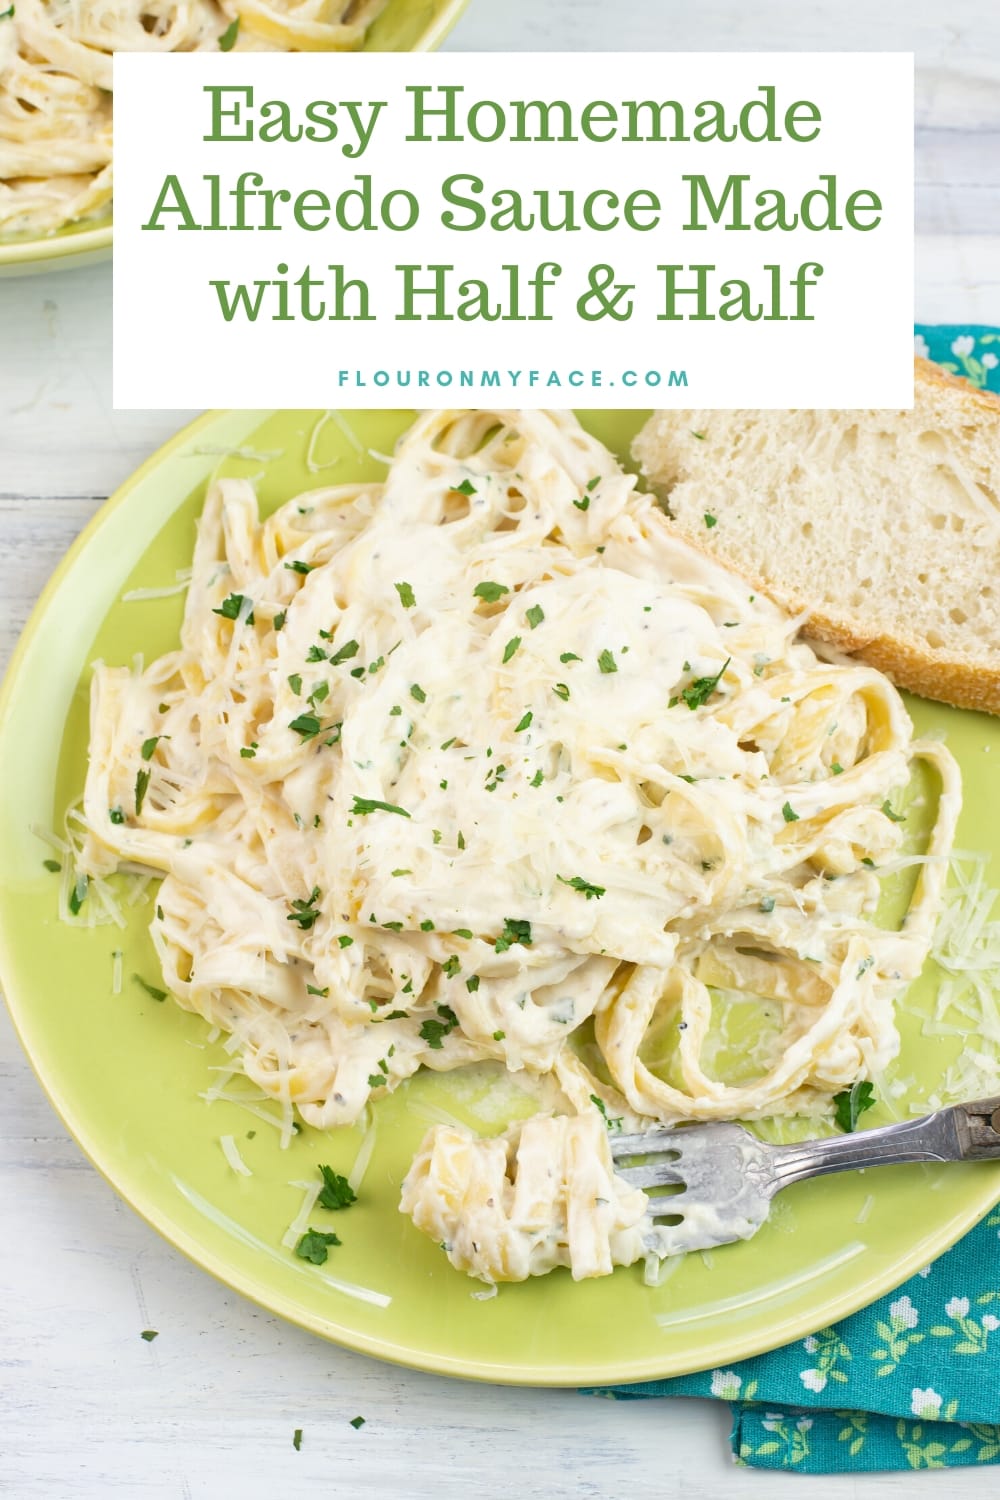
963,1132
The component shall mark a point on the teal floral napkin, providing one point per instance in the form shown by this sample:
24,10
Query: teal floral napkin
971,351
912,1382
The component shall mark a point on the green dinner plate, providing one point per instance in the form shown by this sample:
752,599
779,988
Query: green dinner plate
125,1072
404,26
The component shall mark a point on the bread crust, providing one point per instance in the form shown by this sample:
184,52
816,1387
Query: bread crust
906,660
928,373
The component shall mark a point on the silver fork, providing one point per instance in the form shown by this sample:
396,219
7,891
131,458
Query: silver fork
727,1177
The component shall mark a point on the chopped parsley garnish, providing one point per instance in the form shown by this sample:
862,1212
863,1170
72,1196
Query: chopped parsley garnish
297,1439
300,567
312,1245
699,691
490,592
247,752
462,932
461,839
524,721
116,815
583,504
452,966
307,725
569,656
149,746
894,817
606,662
465,488
230,608
837,768
534,616
869,862
561,691
305,912
141,786
852,1103
357,1422
789,814
345,941
585,888
5,15
149,1334
407,598
699,435
498,773
364,805
593,483
316,653
416,691
280,618
349,649
537,779
295,683
611,1123
226,43
710,521
427,925
472,984
514,931
336,1191
312,990
52,865
151,989
319,692
434,1032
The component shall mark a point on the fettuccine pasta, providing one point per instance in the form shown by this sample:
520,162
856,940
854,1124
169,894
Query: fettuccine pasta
55,83
458,766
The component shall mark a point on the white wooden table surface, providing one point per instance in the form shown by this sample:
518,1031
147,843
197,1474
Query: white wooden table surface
87,1409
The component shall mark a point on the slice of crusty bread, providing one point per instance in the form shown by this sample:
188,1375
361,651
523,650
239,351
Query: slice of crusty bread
884,524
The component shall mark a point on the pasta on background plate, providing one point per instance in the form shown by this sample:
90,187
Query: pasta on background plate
55,83
483,763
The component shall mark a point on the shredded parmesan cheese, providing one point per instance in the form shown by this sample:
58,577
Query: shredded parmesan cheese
299,1225
233,1157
